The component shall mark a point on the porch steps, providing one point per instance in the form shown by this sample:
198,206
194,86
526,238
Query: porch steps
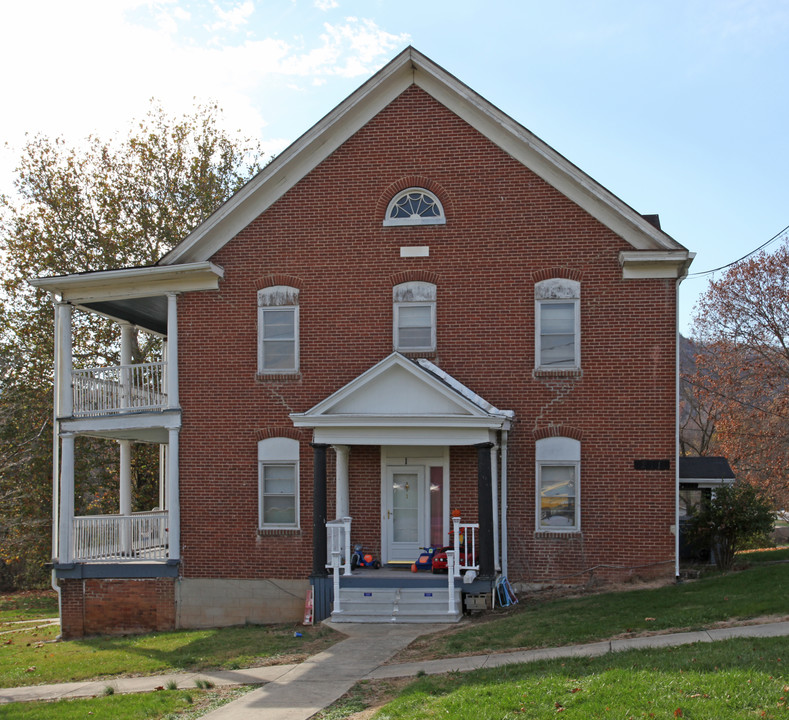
376,604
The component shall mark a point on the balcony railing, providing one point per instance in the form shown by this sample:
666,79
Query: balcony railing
119,389
121,538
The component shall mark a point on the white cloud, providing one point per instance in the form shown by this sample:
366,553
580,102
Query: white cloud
348,50
326,4
91,66
231,19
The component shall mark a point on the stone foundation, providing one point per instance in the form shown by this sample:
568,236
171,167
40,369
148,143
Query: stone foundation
219,602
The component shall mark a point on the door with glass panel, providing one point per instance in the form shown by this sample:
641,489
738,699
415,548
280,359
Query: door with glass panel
405,512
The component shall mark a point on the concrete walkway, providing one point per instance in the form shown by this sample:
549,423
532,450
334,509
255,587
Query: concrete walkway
296,692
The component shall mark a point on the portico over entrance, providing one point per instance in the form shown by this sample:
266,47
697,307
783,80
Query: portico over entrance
415,413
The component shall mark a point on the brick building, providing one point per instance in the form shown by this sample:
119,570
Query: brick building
418,310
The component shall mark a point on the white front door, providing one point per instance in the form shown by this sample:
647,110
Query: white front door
406,515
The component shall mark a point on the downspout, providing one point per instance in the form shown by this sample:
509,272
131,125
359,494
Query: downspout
682,276
504,562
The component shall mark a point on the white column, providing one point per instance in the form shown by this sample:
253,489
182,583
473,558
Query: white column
65,397
162,477
64,407
127,333
342,492
494,485
172,351
125,493
173,502
66,552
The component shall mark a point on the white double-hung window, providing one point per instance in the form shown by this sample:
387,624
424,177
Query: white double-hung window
278,483
557,324
414,316
558,484
278,329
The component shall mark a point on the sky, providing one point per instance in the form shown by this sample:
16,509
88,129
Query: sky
679,107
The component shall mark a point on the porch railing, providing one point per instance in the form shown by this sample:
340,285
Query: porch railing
119,388
339,542
466,560
121,538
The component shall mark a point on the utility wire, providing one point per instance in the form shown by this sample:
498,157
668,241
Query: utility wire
752,252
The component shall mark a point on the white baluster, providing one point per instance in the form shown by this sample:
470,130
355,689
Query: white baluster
335,564
451,580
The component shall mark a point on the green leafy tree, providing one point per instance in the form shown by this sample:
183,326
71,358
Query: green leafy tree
102,204
733,517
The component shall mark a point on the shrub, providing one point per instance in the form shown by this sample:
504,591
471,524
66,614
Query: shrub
733,517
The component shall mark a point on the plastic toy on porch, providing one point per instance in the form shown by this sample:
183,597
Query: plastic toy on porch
425,559
359,558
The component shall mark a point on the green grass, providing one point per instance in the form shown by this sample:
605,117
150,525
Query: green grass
32,658
28,605
166,704
735,680
547,622
762,556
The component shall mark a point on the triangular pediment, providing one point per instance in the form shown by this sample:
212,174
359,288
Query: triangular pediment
412,68
398,389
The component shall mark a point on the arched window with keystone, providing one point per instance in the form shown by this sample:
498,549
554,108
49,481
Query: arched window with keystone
415,206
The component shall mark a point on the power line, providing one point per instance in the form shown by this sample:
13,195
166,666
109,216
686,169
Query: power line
752,252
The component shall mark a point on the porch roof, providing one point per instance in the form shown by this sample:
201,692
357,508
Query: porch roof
403,402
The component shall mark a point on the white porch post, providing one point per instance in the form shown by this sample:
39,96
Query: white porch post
127,332
342,493
125,493
65,398
172,351
494,474
66,550
173,501
64,407
162,477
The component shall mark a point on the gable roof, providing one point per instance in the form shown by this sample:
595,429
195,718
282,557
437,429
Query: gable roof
416,402
410,67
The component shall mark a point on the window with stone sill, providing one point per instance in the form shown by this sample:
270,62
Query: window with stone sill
278,484
278,330
558,485
414,317
557,330
414,206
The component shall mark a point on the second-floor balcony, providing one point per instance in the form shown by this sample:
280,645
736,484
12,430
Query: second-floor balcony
119,389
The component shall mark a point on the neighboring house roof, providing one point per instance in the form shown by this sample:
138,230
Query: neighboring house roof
665,257
705,470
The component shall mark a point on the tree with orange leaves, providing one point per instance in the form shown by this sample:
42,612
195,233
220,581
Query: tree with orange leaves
742,369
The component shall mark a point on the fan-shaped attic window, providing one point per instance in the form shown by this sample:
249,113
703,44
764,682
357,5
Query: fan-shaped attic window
414,206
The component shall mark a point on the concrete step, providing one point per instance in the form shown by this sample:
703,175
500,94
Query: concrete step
405,605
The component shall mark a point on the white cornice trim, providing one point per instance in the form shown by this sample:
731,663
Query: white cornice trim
655,264
410,67
104,285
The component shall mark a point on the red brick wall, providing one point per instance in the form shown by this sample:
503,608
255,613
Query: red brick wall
116,606
505,227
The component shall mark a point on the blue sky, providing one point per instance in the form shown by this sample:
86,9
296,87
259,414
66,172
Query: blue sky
678,107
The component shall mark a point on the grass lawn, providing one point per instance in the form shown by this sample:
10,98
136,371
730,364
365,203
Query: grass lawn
537,621
28,605
31,657
761,556
176,704
731,680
